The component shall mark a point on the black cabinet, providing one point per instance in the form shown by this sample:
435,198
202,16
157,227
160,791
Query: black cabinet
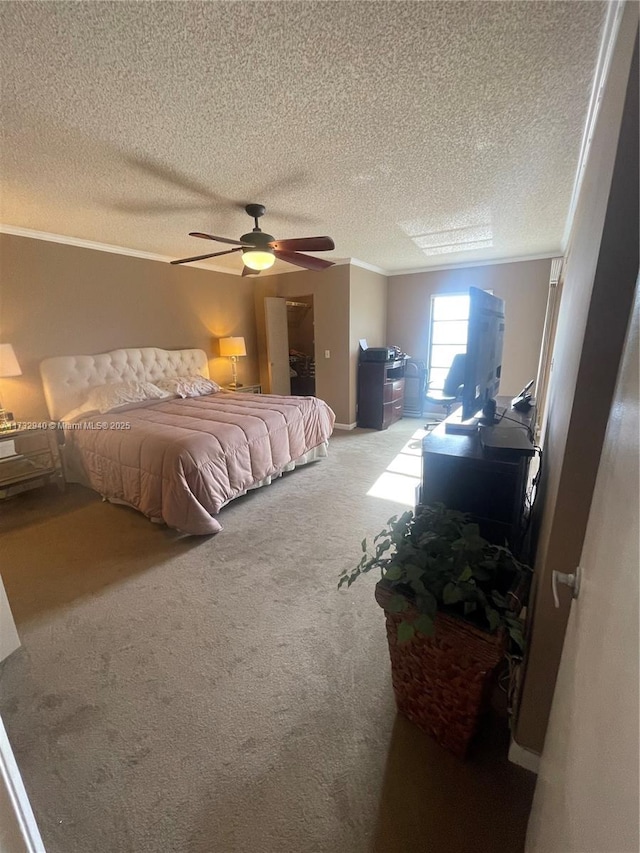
457,472
380,393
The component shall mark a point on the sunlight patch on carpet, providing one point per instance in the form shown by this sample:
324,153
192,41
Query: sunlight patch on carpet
399,481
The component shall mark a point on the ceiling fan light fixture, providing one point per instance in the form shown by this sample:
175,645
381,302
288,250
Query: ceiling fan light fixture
260,250
258,259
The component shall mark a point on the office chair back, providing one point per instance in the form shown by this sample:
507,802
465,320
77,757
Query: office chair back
455,376
454,381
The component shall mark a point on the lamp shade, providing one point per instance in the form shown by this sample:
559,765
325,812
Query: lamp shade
232,346
8,362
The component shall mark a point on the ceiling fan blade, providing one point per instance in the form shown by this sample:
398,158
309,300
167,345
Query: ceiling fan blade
280,186
157,207
304,244
204,257
170,175
218,239
306,261
248,271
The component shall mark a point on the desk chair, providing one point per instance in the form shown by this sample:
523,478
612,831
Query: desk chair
450,394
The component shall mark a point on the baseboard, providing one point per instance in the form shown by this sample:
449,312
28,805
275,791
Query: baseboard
523,757
345,426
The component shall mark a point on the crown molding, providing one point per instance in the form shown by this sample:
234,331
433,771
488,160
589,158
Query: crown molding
615,10
80,243
66,240
485,263
356,262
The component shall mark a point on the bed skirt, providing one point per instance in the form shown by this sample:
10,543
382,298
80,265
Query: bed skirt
74,473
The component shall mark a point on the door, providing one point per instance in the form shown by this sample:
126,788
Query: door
586,799
9,640
18,830
277,340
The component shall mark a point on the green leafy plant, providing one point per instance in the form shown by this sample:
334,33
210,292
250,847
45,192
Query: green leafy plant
435,559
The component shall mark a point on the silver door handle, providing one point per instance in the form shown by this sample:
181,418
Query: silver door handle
570,580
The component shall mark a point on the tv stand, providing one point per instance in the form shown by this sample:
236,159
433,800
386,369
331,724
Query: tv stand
454,424
458,471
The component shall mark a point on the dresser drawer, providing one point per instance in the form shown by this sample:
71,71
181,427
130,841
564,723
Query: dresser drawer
380,393
393,391
391,412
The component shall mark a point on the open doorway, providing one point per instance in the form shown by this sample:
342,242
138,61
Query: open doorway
302,363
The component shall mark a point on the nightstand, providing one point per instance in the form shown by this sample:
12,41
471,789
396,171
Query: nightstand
245,389
31,462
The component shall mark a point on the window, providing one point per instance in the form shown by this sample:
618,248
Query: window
447,335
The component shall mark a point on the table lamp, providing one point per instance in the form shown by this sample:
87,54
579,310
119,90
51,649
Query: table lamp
233,348
8,367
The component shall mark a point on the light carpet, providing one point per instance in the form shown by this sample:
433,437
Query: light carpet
219,695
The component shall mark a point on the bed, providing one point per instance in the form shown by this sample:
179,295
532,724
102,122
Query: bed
178,461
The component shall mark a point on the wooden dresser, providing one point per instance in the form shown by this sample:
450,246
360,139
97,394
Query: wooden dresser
380,393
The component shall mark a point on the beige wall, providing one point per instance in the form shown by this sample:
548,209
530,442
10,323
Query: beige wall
368,319
64,300
348,303
523,286
599,279
330,291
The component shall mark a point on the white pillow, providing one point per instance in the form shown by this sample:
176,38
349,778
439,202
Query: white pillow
104,398
188,386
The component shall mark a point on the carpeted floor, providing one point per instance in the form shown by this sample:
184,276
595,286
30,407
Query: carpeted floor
219,695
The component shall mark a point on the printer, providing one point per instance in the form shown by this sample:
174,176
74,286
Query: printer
378,354
368,353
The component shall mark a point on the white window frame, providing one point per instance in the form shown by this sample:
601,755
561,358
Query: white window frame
435,296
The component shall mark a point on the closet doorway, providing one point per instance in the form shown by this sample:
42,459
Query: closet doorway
290,345
302,362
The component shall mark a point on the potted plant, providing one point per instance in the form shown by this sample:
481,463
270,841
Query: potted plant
452,603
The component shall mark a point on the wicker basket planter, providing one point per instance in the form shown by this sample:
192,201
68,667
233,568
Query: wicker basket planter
441,682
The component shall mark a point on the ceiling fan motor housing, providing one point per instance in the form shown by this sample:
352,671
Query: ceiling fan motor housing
259,239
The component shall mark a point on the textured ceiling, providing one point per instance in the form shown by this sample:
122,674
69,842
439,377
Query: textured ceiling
416,134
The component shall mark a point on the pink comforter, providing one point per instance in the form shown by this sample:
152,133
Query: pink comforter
182,460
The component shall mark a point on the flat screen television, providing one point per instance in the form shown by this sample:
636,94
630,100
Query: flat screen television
483,363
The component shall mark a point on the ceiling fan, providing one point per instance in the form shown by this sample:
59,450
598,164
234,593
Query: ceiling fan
260,250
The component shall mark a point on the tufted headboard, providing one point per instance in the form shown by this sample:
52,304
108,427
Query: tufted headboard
68,378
